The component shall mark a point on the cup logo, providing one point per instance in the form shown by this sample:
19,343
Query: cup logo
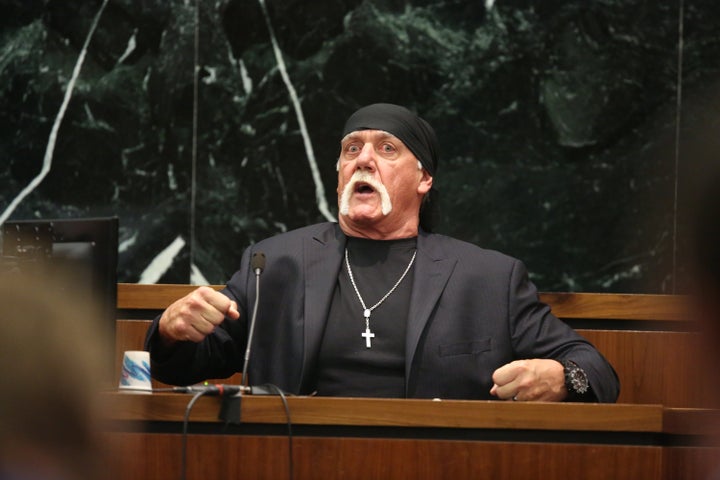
135,372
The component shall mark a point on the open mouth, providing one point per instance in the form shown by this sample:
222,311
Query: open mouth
366,188
363,188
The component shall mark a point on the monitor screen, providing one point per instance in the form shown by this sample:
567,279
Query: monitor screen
84,251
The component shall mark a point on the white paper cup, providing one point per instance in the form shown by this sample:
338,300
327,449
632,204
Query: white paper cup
135,374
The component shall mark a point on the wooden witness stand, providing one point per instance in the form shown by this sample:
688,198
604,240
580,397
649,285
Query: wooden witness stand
652,434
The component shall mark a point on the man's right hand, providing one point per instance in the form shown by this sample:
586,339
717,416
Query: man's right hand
195,316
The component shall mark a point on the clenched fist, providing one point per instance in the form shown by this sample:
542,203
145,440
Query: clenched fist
196,315
530,380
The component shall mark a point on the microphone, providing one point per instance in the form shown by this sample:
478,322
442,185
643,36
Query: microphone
215,390
223,389
257,263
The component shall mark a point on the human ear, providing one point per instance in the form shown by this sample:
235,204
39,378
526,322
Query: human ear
426,183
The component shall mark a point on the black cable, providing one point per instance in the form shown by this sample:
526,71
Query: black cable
283,397
186,420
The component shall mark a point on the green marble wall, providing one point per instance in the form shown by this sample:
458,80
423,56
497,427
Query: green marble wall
568,129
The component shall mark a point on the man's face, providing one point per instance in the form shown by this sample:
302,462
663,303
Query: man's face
380,186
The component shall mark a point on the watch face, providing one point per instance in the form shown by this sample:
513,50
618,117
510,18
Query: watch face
578,380
575,378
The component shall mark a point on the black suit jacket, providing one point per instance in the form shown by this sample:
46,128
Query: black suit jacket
471,311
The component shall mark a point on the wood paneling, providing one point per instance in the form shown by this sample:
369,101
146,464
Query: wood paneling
615,306
655,367
214,456
691,463
693,421
607,306
351,451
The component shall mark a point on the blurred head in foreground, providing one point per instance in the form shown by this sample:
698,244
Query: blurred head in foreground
52,363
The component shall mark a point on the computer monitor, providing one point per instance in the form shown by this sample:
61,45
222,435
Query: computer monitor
83,250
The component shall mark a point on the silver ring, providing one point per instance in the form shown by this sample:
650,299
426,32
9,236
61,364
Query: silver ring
514,399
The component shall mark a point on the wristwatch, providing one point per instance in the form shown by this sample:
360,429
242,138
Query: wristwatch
576,380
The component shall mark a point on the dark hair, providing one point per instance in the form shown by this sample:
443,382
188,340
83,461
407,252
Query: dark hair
430,210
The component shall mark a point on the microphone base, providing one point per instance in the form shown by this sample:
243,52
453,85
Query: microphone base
262,390
230,411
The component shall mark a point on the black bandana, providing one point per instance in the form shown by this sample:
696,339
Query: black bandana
413,131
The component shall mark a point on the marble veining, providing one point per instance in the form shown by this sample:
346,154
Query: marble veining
52,140
570,131
309,151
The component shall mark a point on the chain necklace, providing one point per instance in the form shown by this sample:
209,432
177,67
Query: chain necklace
367,334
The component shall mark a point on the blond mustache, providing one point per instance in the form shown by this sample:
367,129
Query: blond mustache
362,176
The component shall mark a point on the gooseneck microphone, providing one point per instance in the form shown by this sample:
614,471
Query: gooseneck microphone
257,263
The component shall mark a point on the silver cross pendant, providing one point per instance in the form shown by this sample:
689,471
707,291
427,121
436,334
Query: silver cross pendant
367,333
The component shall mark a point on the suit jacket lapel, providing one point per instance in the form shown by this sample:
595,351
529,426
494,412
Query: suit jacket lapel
322,259
432,271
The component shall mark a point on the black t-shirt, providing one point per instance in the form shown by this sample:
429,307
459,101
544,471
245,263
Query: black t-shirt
346,367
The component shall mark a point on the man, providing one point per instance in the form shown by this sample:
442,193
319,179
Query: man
377,306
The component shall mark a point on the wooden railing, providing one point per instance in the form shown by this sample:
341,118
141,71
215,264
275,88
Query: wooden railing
649,339
609,306
350,438
652,434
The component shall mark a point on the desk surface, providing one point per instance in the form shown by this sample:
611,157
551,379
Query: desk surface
396,412
170,407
